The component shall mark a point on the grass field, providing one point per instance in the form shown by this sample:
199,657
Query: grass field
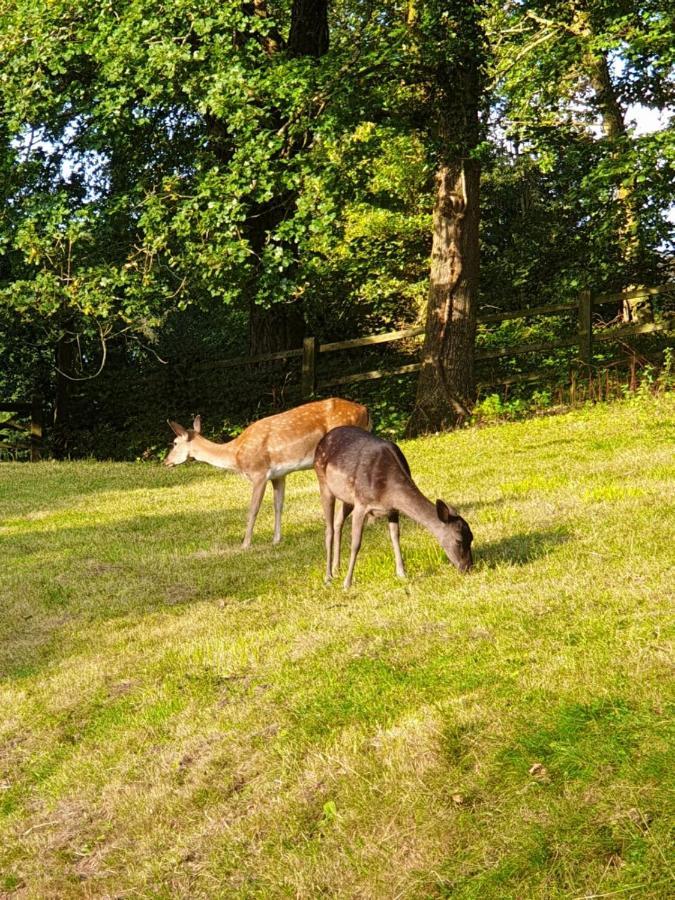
180,718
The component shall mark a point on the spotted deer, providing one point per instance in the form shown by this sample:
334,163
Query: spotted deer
269,449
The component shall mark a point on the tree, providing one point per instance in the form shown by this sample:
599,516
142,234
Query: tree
452,55
281,325
172,149
573,68
230,158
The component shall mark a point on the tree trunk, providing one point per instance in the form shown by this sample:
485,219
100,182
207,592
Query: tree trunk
65,365
308,35
282,326
446,386
454,51
614,126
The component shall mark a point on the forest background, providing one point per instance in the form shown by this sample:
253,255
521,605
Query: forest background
189,181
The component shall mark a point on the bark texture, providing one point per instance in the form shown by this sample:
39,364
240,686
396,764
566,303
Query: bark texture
455,85
274,328
613,118
614,126
308,35
445,390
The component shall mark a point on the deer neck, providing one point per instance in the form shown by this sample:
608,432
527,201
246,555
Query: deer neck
411,501
223,456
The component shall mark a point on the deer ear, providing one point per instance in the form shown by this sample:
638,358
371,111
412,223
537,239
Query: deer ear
446,513
177,429
197,425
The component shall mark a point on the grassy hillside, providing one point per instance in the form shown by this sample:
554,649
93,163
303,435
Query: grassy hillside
179,718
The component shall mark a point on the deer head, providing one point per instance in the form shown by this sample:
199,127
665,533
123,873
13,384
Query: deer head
454,536
183,444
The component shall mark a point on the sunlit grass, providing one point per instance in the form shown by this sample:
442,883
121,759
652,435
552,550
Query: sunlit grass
182,718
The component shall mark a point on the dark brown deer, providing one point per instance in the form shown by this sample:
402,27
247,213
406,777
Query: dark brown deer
372,477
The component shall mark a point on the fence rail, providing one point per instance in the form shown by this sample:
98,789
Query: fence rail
372,339
583,339
634,293
550,310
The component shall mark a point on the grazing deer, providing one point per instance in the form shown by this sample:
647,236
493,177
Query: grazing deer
268,449
372,477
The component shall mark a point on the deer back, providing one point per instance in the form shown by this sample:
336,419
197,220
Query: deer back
286,441
361,468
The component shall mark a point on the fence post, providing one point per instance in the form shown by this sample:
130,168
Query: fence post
585,328
308,386
35,429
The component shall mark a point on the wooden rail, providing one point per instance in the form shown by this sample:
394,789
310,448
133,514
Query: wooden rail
551,310
519,349
583,340
34,412
539,375
634,294
369,376
372,339
616,334
249,360
310,354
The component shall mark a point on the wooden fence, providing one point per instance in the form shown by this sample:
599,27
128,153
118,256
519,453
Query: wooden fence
583,339
32,423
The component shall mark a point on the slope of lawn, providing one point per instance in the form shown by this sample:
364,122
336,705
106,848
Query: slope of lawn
180,718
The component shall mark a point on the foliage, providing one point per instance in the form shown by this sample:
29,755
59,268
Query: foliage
493,408
166,169
144,143
566,74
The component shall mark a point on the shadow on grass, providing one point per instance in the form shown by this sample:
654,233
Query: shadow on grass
63,483
138,567
159,564
520,549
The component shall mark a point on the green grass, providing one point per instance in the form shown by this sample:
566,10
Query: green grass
179,718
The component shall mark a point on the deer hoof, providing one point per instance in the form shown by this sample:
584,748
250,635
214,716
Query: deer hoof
327,579
246,545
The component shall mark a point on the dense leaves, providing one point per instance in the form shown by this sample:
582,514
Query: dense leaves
236,156
568,76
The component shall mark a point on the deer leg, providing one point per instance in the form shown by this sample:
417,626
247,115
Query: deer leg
344,511
328,503
278,484
357,530
394,532
256,500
